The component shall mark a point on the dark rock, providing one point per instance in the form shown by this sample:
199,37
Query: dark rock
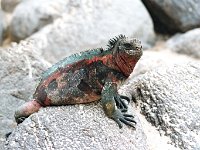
187,43
169,99
171,16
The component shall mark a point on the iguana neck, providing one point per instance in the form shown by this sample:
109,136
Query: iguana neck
125,63
117,62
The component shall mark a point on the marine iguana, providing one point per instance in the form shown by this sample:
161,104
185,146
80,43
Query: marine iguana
86,77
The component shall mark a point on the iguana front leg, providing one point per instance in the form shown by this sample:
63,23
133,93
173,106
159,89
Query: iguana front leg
109,99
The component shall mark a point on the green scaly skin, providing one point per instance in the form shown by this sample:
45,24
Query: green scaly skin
87,77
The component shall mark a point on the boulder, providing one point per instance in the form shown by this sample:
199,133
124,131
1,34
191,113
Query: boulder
91,24
30,16
157,57
20,69
85,125
187,43
75,127
174,16
169,97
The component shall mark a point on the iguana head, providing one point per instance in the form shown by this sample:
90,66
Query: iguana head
126,52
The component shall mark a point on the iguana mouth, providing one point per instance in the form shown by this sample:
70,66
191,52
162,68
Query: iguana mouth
136,53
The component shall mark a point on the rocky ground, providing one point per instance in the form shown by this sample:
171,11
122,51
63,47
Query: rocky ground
164,85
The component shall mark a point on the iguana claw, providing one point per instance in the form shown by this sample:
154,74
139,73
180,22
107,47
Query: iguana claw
120,118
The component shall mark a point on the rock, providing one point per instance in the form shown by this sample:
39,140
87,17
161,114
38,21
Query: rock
75,127
169,99
187,43
9,5
91,24
30,16
84,124
151,59
3,27
174,16
20,68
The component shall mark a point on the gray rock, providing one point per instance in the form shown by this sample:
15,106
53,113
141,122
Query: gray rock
30,16
169,99
174,16
20,68
9,5
3,26
85,123
75,127
187,43
91,24
156,57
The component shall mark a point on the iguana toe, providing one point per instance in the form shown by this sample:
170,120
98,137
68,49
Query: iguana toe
119,100
120,117
126,98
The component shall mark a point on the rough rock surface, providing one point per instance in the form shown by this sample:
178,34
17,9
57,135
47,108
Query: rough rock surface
187,43
174,16
75,127
91,24
169,99
30,16
9,5
154,58
20,68
88,121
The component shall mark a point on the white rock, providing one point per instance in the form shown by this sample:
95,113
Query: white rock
168,97
30,16
187,43
90,24
20,69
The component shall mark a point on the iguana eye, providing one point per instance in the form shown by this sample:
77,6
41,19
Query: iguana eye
127,45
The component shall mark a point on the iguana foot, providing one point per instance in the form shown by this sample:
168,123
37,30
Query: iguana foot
20,119
119,100
120,117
